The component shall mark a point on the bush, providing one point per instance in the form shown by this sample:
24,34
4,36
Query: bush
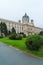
41,33
15,37
18,37
23,35
1,37
34,42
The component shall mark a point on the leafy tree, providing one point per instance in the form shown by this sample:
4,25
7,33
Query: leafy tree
5,31
9,32
13,30
23,35
41,33
3,28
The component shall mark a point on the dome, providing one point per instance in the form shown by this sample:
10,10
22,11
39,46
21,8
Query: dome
25,18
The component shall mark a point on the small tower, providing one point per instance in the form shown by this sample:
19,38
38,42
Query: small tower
19,21
25,19
32,21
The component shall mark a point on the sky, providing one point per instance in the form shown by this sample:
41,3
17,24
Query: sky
15,9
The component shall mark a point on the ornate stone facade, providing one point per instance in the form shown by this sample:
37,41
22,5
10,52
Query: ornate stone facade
26,26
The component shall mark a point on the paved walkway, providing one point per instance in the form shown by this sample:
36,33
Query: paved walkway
12,56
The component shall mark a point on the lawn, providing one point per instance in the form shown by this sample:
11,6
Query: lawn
21,45
15,43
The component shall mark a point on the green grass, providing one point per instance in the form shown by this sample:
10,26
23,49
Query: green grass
21,45
16,43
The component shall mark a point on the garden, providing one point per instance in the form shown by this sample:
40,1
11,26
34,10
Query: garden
32,44
25,44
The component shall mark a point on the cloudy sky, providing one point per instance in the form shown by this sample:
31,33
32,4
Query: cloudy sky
15,9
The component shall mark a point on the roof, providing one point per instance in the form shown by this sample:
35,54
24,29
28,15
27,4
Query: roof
10,21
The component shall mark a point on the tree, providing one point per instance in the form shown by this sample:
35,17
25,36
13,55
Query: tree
9,32
13,30
41,33
5,31
22,34
3,28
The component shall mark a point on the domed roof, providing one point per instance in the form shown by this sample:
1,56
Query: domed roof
25,16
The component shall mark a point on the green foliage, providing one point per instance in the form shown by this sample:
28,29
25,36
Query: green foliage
15,43
13,30
9,32
34,42
21,45
15,37
3,28
23,35
18,37
1,36
41,33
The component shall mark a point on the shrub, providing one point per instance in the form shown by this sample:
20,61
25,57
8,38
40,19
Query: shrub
15,37
18,37
13,30
34,42
41,33
22,34
1,37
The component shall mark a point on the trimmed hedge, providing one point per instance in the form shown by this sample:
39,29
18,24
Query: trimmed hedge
34,42
15,37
